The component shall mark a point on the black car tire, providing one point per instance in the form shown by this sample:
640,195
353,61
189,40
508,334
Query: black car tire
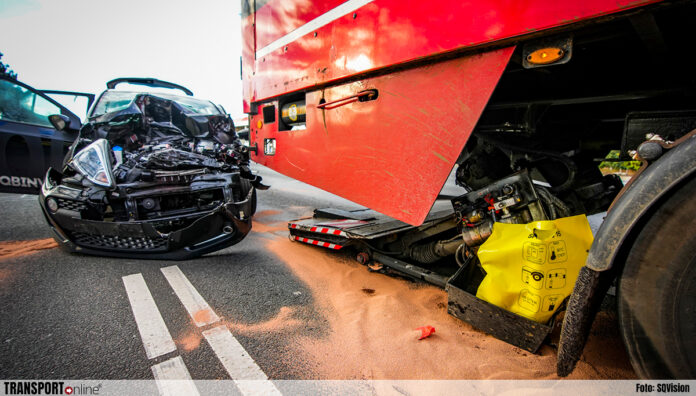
657,291
246,186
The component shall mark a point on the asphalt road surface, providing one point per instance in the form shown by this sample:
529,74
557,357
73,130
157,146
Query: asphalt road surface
68,316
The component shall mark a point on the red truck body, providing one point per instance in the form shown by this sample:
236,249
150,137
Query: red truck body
433,64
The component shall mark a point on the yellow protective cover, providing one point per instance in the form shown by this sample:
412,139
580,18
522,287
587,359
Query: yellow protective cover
531,268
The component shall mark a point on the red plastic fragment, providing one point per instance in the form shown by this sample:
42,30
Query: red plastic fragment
426,331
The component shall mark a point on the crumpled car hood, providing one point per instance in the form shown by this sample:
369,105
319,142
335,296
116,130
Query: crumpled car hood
150,116
160,137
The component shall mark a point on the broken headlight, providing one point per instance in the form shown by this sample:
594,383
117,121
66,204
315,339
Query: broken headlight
93,162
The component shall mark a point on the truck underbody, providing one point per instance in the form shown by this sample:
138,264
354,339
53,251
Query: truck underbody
620,82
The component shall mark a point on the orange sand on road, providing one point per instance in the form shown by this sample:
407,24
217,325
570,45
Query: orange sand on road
283,321
189,341
202,316
268,228
373,319
262,224
10,249
265,213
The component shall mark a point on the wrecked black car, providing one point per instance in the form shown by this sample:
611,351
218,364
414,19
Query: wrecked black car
151,175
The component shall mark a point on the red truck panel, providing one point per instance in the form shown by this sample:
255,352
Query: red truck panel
392,154
388,32
280,17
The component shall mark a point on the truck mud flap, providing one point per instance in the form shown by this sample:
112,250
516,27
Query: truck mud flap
501,324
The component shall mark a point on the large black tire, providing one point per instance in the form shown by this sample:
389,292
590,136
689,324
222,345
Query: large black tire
657,291
246,186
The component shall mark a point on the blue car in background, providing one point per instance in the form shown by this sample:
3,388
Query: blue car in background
29,143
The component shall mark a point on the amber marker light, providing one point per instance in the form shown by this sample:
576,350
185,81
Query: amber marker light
545,56
259,124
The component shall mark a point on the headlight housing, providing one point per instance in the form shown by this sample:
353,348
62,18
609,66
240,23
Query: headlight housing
94,163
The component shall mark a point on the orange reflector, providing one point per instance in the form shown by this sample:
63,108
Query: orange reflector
544,56
259,124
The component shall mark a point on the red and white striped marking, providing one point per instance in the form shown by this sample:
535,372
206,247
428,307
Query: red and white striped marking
321,230
318,243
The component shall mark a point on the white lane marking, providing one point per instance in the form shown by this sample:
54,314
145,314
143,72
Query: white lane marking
248,377
316,23
200,311
173,378
154,333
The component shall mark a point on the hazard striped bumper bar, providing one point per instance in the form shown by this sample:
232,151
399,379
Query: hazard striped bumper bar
317,243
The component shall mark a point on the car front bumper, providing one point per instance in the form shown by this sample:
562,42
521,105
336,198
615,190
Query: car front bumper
207,231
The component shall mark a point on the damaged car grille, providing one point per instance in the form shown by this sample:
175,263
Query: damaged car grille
154,207
121,243
69,204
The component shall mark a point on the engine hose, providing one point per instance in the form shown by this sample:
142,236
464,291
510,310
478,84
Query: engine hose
549,204
431,252
557,207
567,162
562,207
424,253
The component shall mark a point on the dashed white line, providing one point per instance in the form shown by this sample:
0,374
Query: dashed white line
200,311
154,333
248,377
173,378
246,374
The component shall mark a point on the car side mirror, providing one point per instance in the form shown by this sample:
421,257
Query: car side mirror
59,121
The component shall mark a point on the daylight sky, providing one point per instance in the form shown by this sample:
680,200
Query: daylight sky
78,45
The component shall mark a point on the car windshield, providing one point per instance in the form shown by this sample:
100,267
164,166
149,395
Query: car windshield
112,101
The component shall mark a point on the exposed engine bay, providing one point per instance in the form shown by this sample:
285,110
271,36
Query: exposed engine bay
546,192
159,177
518,198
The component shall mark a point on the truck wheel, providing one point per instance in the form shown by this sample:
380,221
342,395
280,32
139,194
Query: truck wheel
657,291
246,186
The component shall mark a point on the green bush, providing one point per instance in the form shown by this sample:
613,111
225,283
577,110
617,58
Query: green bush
618,165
